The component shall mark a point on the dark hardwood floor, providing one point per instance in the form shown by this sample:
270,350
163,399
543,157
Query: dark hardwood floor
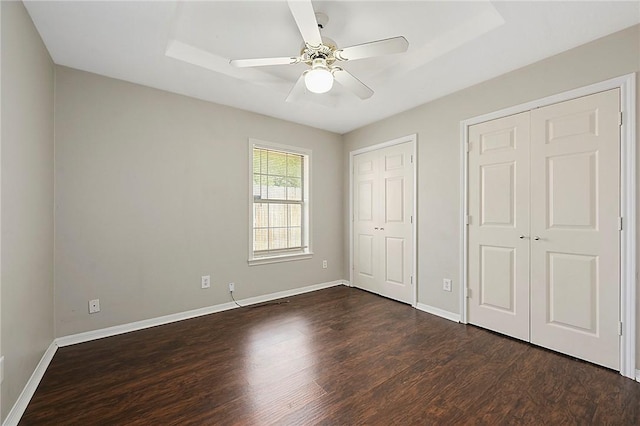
335,356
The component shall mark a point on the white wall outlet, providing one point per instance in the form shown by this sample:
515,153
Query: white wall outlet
1,369
206,281
232,287
324,264
446,284
94,306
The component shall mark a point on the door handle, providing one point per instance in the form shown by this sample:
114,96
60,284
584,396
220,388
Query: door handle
376,228
537,238
522,237
382,229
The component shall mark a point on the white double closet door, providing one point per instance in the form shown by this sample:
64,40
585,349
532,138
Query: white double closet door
544,248
383,199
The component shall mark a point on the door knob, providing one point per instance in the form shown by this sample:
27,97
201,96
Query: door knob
536,238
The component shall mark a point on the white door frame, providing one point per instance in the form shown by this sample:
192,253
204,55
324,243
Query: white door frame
1,352
627,86
409,138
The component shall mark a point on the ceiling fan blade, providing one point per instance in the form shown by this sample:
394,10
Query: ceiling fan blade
350,82
305,17
261,62
297,91
375,48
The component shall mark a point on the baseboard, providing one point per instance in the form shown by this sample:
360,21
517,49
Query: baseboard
637,375
88,336
439,312
21,404
289,293
74,339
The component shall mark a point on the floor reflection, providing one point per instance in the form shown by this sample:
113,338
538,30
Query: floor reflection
280,367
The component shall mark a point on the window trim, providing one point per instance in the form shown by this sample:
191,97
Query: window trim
306,252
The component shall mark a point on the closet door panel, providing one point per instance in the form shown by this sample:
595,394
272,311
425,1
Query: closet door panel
499,227
366,200
575,169
396,229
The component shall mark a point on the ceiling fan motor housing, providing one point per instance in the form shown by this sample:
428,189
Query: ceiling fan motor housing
325,51
310,53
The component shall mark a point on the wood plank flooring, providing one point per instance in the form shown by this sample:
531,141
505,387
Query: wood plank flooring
335,356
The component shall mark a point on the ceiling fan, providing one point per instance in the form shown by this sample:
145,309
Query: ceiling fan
322,54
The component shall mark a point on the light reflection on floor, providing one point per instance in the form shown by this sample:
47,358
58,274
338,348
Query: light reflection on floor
280,367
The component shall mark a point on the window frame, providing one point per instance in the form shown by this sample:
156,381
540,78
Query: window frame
286,254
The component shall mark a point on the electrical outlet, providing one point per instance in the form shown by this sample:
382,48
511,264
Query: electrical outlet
94,306
324,264
446,284
232,287
205,282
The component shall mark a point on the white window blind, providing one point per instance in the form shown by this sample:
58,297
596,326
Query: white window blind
278,202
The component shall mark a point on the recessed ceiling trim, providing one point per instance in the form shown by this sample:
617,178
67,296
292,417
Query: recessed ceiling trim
201,58
468,30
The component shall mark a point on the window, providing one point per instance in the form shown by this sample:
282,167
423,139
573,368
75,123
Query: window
280,203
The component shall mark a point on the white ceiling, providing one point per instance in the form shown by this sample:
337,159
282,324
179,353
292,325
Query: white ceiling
185,47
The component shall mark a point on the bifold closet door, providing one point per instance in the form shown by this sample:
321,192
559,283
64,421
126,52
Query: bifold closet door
575,246
383,228
499,225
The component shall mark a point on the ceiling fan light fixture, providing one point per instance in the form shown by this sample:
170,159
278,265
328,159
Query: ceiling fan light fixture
319,79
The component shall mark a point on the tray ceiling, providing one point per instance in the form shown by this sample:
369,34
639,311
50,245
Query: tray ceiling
185,47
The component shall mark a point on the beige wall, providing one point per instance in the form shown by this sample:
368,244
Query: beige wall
152,193
438,127
27,200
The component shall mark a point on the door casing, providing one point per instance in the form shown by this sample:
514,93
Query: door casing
627,86
413,140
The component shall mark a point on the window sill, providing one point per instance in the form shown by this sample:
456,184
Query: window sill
281,258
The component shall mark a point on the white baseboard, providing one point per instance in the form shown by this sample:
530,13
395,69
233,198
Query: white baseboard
638,375
439,312
21,404
87,336
289,293
153,322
